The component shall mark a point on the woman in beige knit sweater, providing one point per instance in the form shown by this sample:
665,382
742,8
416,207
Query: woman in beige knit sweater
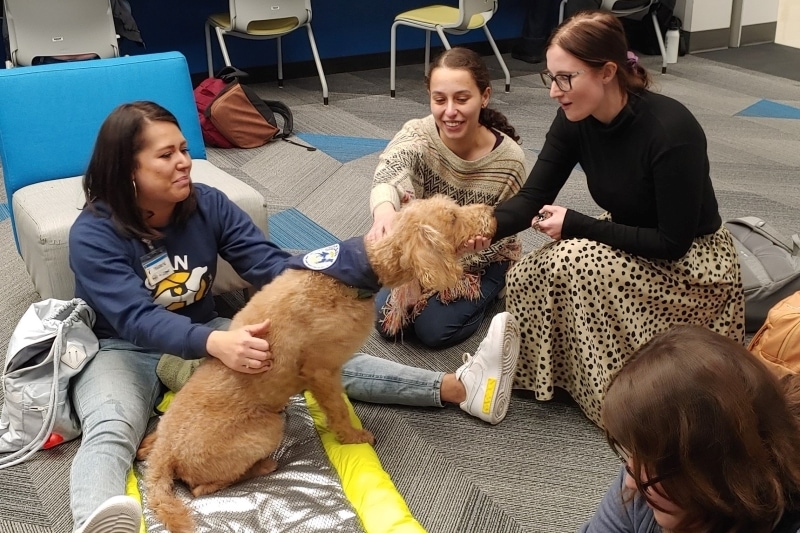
468,151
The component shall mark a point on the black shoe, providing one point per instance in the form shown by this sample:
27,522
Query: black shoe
525,55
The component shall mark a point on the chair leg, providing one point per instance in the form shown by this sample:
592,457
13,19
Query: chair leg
322,79
280,62
660,44
427,50
208,52
561,9
392,58
443,37
222,47
499,57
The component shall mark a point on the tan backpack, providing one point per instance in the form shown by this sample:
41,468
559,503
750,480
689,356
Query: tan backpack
777,343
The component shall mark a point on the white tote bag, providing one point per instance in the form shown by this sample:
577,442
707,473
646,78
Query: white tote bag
52,342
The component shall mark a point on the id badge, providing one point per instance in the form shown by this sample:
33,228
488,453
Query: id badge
156,265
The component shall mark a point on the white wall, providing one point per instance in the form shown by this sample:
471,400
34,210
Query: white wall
759,11
702,15
788,31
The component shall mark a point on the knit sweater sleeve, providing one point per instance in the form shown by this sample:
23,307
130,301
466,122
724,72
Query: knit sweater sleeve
397,174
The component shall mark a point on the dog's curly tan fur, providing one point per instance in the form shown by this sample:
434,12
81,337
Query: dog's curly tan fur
223,425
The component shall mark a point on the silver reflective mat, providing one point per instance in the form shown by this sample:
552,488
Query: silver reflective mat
303,495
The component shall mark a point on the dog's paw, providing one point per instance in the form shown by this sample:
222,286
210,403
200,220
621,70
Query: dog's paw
356,436
145,447
264,467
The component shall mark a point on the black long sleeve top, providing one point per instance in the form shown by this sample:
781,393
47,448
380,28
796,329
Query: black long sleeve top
648,168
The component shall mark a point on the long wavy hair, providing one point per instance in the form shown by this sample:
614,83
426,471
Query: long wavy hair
597,38
722,431
465,59
109,176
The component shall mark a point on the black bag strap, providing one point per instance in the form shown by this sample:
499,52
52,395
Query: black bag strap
283,110
230,74
288,122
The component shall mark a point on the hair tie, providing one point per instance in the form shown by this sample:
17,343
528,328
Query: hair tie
633,59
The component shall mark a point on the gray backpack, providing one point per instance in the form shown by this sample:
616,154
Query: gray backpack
52,342
770,266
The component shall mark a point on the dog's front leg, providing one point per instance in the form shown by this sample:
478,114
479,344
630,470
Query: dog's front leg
326,386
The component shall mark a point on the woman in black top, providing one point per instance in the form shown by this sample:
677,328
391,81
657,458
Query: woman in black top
659,256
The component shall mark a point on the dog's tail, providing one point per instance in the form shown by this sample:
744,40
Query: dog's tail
161,497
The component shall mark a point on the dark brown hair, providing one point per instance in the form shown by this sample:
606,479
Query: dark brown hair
699,410
597,38
466,59
109,177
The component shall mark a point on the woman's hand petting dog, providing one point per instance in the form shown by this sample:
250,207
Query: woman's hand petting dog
475,245
382,221
242,349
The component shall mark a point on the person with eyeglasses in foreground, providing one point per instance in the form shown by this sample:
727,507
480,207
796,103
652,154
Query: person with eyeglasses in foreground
708,436
659,256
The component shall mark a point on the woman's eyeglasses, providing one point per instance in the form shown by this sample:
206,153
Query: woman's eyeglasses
624,457
564,81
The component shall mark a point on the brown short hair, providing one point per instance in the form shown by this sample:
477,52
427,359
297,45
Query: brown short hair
700,410
597,38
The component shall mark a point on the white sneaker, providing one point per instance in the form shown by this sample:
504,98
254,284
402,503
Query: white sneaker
489,374
118,514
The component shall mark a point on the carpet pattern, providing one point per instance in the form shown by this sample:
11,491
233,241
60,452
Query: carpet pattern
546,467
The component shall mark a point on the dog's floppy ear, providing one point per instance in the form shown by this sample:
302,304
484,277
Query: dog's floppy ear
432,258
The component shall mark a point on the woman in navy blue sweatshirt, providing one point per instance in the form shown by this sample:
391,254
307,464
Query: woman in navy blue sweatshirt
144,253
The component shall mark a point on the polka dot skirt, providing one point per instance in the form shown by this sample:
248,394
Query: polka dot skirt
583,307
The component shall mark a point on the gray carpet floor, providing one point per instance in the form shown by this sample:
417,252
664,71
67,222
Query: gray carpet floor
546,467
769,58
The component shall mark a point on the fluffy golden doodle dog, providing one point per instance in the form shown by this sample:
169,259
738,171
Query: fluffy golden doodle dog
223,425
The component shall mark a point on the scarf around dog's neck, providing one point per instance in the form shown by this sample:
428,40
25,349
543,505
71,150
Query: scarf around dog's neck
346,261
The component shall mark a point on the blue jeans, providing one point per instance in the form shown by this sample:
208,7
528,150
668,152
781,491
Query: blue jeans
376,380
114,397
442,325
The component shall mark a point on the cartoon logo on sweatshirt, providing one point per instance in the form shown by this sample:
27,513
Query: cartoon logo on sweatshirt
321,258
181,288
